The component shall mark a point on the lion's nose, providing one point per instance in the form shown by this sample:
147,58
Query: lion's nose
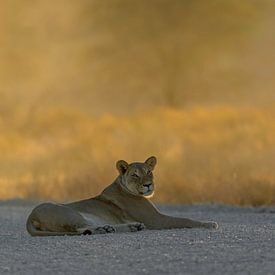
147,185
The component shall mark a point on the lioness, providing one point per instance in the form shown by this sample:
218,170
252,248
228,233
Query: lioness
121,207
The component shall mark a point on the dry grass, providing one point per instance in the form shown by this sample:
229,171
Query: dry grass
84,83
215,154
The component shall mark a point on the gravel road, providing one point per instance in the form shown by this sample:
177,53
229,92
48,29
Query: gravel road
243,244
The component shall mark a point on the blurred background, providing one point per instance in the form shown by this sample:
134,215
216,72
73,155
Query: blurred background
85,83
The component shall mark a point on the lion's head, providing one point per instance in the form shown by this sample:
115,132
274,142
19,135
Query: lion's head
137,177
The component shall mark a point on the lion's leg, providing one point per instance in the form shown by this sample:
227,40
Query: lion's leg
162,221
175,222
52,219
116,228
129,227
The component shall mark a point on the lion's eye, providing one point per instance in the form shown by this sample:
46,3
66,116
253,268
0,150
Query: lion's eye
135,176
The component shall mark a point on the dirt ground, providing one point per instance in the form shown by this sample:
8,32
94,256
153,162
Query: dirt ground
243,244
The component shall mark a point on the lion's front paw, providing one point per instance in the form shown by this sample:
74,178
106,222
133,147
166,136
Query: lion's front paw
87,232
136,226
105,229
211,225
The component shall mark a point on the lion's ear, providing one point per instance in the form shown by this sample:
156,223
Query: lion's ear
152,161
122,166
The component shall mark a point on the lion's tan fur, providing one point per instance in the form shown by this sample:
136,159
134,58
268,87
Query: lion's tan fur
121,204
